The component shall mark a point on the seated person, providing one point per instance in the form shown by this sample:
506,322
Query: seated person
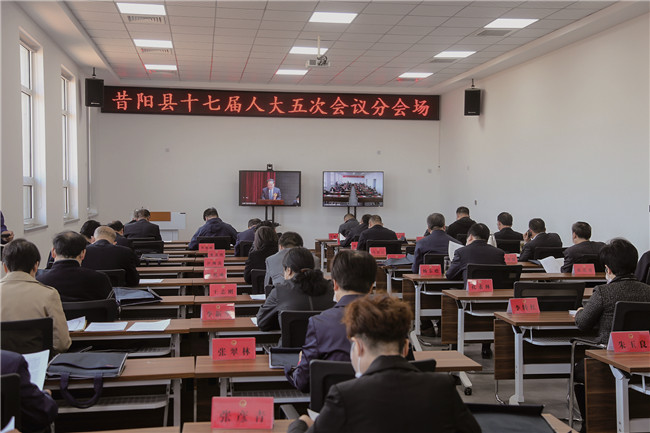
353,274
247,235
462,224
214,226
141,227
274,267
303,289
37,408
437,242
88,230
73,282
7,235
104,254
477,251
642,272
504,224
536,236
264,245
580,234
418,401
376,232
349,222
119,233
20,260
355,232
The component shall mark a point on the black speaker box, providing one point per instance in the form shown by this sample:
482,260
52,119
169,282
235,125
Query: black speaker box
94,92
473,102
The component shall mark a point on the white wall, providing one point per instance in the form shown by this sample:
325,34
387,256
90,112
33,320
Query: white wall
564,137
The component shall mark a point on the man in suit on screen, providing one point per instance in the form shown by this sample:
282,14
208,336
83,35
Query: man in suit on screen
271,192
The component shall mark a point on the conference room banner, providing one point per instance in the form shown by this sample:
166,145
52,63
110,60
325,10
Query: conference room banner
156,100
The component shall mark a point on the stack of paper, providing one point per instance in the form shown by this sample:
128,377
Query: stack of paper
106,326
258,297
160,325
77,324
453,246
551,264
254,320
150,280
37,365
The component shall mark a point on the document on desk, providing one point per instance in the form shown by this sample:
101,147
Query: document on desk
312,414
452,249
159,325
37,365
254,320
77,324
573,312
258,297
150,280
551,265
106,326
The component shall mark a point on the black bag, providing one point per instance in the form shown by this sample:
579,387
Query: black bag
86,365
125,296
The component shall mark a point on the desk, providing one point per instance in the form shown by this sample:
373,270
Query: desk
448,361
279,426
180,302
174,429
238,300
164,269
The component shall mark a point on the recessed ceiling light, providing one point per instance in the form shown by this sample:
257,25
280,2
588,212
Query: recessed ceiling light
510,23
454,54
161,67
152,43
307,50
332,17
416,74
291,72
141,9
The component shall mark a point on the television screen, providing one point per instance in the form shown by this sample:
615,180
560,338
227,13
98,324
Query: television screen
353,188
269,188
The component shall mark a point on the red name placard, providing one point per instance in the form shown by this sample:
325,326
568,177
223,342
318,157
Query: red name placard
395,256
629,341
215,273
523,306
214,262
378,251
353,245
333,236
254,413
223,290
217,253
511,259
430,270
400,235
206,247
217,311
155,100
233,348
584,269
480,285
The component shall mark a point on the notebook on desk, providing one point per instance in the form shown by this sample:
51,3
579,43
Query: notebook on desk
124,296
154,257
279,357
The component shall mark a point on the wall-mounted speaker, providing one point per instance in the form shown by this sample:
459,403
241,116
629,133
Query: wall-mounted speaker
94,92
473,102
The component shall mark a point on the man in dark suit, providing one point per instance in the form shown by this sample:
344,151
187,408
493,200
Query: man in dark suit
462,224
214,226
141,227
437,242
353,274
104,254
376,232
271,192
477,251
536,236
504,224
247,235
349,222
355,232
73,282
119,233
580,234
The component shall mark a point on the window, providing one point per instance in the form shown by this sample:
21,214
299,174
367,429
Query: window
27,107
68,143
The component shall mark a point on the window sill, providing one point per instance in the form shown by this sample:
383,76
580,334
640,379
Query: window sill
70,220
34,227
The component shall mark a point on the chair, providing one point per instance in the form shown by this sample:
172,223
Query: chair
392,247
502,276
552,296
462,237
145,247
410,249
435,259
141,238
591,258
293,327
95,311
245,248
425,365
509,245
257,280
541,252
117,276
497,418
10,391
322,375
27,336
219,242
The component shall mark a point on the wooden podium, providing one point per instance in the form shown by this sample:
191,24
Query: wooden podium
263,202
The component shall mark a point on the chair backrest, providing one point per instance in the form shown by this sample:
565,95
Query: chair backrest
509,245
257,280
144,247
117,276
27,336
141,238
322,375
392,247
434,259
10,390
462,237
591,258
293,327
425,365
552,296
503,276
410,249
104,310
541,252
245,248
219,242
631,316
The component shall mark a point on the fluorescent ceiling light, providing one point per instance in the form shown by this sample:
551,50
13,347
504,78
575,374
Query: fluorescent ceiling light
307,50
141,9
416,74
510,23
291,72
161,67
454,54
332,17
152,43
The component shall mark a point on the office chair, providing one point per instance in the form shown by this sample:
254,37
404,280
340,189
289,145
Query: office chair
293,327
552,296
10,391
509,246
95,311
392,247
117,276
591,258
27,336
257,280
141,238
219,242
541,252
322,375
435,259
244,248
502,276
497,418
146,247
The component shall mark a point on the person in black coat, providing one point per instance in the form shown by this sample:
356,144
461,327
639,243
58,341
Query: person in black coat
73,282
506,233
246,236
214,226
376,232
304,289
389,394
355,232
264,245
37,408
349,222
462,224
103,254
119,233
477,251
536,236
580,234
141,227
437,241
642,272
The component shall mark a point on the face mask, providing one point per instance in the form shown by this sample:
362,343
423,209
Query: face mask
608,277
357,371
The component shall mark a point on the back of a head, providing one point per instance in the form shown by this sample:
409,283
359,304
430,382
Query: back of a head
365,219
88,228
354,271
116,225
537,225
435,220
69,244
105,233
20,255
264,236
462,210
620,256
348,217
210,213
479,231
505,218
290,240
142,213
301,262
582,230
379,319
375,219
253,222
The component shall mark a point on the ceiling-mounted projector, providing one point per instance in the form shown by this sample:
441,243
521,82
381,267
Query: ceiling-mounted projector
318,62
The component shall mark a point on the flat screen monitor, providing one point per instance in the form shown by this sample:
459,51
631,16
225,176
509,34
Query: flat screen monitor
269,188
353,188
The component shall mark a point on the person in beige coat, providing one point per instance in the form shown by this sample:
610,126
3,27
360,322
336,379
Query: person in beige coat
24,298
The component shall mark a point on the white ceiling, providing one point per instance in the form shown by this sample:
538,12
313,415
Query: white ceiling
244,43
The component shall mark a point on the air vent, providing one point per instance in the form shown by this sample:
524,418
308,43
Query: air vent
146,19
156,50
442,60
495,32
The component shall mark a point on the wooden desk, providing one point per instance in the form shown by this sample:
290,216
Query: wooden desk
238,300
172,429
279,426
180,302
164,269
195,261
448,360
